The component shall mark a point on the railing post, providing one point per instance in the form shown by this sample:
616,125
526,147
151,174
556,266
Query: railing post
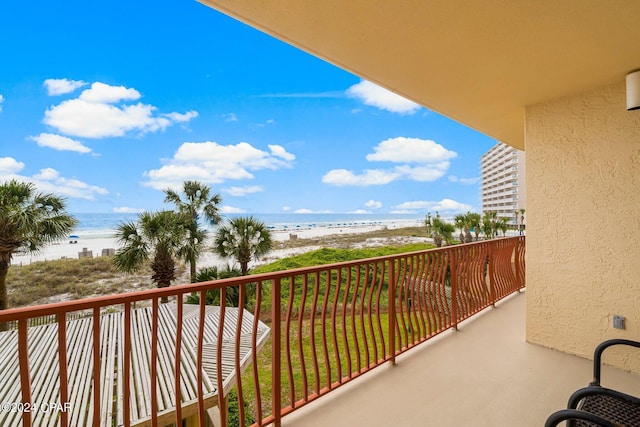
516,257
275,352
222,400
454,288
391,289
96,366
62,363
492,284
25,379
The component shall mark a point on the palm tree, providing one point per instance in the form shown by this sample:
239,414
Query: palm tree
501,225
460,221
489,224
212,296
474,219
244,238
197,201
28,221
442,231
156,234
428,222
464,223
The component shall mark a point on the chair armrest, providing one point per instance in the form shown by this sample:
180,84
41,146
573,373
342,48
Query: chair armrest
597,355
573,414
580,394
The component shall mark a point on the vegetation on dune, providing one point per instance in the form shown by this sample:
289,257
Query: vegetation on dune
70,279
333,255
28,221
350,240
212,296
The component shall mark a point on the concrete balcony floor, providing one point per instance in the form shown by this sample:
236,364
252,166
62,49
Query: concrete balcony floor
484,374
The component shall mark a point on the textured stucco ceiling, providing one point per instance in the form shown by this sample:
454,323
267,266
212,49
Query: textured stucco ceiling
478,62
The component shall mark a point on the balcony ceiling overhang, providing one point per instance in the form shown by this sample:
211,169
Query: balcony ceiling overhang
477,62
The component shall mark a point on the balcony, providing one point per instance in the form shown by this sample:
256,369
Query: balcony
123,359
484,375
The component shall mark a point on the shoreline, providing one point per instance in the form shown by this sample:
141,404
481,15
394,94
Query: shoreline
100,243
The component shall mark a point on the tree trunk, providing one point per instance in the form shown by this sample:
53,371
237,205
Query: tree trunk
164,269
244,266
192,256
164,300
467,237
4,302
192,263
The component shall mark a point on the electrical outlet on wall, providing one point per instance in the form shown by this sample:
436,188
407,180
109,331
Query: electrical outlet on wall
618,321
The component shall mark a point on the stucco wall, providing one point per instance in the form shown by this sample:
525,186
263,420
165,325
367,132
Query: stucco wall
583,222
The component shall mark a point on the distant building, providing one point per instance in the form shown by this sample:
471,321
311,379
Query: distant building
502,170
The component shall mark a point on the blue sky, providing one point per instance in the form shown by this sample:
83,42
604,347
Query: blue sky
108,103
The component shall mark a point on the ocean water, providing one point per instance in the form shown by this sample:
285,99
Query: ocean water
100,225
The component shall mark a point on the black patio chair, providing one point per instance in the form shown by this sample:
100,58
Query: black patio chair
600,406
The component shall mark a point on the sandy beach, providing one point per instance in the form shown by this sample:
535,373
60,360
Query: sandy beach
99,245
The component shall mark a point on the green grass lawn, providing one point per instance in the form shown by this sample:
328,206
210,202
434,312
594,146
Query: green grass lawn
360,343
361,339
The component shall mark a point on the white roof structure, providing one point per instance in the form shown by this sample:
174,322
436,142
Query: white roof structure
44,365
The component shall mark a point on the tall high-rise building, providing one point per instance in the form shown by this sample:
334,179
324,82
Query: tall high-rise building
503,177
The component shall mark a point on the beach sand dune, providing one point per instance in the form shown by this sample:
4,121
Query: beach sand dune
104,245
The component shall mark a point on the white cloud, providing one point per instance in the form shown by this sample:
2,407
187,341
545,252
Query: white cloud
464,181
1,101
343,177
423,173
125,209
101,111
309,211
432,161
60,143
267,122
279,151
376,96
243,191
231,210
373,204
48,180
106,94
182,118
62,86
444,205
8,167
286,208
212,163
410,150
360,211
230,117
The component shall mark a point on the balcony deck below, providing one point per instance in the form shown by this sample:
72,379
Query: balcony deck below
484,374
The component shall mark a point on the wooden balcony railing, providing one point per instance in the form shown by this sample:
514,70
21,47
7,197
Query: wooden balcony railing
131,361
